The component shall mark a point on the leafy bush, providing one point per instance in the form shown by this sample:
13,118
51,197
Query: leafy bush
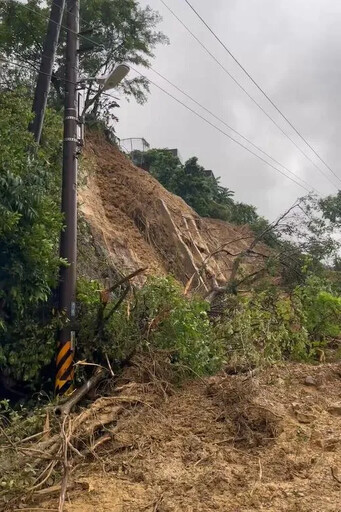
181,326
159,316
268,326
322,309
264,328
29,235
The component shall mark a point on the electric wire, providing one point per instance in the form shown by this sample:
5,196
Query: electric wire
246,92
32,68
219,129
230,127
162,1
191,110
186,106
260,88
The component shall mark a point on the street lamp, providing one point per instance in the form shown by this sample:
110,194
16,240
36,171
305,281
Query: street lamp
109,81
114,78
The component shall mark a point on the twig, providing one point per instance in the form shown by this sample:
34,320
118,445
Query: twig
126,278
9,439
51,467
73,449
207,457
35,509
335,475
63,488
32,437
47,426
109,365
42,455
116,306
228,440
103,439
260,475
260,470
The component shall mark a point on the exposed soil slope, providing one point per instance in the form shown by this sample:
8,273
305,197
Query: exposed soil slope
143,225
269,442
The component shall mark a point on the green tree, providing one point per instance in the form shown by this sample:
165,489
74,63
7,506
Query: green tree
164,166
242,213
191,182
116,31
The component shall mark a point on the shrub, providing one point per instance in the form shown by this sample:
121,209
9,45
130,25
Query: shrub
264,328
158,317
322,309
29,235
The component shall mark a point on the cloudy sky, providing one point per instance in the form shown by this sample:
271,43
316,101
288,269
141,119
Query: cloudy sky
292,48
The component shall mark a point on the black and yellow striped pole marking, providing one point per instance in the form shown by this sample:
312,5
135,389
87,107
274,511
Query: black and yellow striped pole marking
64,369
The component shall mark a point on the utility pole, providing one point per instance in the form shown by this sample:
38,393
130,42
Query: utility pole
46,67
68,242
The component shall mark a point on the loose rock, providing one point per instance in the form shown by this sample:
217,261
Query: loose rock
310,381
335,409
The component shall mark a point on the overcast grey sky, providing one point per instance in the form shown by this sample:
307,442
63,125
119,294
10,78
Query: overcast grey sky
292,48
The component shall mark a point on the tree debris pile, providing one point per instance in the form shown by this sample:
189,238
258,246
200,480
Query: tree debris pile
259,441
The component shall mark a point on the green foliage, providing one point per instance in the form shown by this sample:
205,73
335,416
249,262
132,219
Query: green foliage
201,191
29,235
268,326
121,31
183,327
322,309
161,318
331,208
204,192
264,328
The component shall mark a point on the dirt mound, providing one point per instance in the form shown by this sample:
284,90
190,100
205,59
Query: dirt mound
141,224
239,443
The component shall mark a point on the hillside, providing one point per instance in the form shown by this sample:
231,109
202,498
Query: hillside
141,224
157,432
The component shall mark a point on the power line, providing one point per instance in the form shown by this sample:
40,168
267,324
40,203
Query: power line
219,129
260,88
239,85
186,106
230,127
246,92
191,110
162,1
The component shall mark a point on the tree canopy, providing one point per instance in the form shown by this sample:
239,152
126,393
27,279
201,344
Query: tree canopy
112,32
201,190
331,208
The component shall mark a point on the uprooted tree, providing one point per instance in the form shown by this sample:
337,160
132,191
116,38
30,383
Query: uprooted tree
303,233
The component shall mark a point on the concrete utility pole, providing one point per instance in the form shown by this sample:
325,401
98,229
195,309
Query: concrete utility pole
68,243
46,67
